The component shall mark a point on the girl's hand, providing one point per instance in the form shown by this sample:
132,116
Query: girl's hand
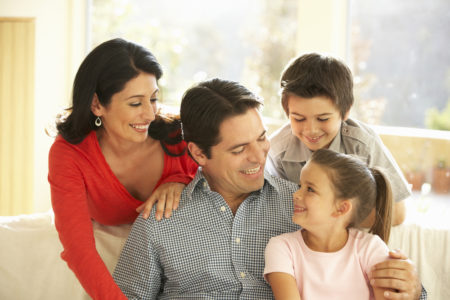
166,195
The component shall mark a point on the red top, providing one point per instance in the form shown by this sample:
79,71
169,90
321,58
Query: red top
83,187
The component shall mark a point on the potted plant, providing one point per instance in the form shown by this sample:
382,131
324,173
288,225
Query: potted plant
441,178
416,178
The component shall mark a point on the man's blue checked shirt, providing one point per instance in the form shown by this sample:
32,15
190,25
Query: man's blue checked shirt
203,251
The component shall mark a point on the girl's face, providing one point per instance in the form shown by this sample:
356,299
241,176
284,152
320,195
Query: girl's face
314,201
131,110
315,121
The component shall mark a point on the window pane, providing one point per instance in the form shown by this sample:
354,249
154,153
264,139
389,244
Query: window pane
247,41
400,62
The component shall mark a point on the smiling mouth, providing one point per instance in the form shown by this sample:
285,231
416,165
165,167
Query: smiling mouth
251,171
140,126
299,209
314,139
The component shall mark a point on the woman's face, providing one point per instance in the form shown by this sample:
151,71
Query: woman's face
131,110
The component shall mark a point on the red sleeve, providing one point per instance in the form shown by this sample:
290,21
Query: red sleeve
181,168
74,225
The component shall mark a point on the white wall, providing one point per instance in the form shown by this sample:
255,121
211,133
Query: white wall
60,46
323,27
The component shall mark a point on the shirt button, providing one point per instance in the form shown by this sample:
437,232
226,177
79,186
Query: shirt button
205,184
222,208
238,240
242,275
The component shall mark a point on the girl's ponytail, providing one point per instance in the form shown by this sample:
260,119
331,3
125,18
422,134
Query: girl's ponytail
383,206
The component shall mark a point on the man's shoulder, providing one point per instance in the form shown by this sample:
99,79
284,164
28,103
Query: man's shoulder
280,185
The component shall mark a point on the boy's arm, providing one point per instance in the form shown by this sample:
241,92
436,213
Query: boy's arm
283,286
398,215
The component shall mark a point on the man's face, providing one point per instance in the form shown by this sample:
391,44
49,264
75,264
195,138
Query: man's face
236,166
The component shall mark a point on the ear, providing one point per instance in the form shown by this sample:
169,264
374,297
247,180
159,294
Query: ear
96,107
343,208
197,153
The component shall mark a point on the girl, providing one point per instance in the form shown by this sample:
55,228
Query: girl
329,258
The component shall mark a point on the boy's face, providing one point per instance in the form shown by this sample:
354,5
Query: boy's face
315,121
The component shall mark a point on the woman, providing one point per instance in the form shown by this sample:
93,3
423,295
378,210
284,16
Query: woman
113,153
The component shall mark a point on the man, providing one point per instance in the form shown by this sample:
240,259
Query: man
213,245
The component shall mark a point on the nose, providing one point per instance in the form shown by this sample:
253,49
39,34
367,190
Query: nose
298,194
259,152
310,126
149,111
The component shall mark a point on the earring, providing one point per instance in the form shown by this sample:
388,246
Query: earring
98,122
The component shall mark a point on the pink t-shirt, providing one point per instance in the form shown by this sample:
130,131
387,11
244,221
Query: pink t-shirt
327,275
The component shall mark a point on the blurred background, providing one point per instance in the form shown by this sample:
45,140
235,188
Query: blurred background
397,51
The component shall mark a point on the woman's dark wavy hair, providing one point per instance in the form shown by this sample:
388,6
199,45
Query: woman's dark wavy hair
104,72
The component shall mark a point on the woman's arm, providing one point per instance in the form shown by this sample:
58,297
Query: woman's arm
74,225
284,286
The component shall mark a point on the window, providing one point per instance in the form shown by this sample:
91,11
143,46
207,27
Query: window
246,41
400,63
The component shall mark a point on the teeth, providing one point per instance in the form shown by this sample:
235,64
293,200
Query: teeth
139,126
252,171
299,209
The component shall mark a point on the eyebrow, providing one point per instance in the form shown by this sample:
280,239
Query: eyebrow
142,96
319,115
311,184
243,144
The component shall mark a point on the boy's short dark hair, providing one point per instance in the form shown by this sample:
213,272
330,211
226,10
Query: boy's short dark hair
312,75
205,106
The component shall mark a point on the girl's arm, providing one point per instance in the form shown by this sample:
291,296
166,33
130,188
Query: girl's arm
284,286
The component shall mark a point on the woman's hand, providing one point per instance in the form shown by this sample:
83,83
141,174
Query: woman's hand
398,276
166,195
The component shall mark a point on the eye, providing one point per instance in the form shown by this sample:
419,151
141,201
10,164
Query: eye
298,120
323,119
262,138
153,100
310,189
135,104
238,150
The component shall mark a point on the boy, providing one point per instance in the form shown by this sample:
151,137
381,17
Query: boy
317,95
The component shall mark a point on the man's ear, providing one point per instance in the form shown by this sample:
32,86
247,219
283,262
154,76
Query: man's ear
342,208
96,107
197,153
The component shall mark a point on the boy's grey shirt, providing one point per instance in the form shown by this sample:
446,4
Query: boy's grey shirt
288,154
